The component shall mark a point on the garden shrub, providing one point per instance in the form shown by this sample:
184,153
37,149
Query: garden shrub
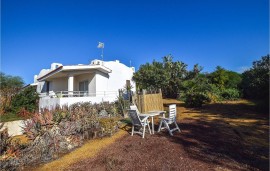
230,94
26,99
59,131
196,92
196,99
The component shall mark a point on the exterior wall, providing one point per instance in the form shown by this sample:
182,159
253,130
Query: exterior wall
120,73
59,84
71,100
101,81
48,103
51,103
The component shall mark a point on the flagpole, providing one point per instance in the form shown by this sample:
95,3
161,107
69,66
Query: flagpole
102,53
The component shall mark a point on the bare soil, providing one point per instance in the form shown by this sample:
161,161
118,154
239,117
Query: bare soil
227,136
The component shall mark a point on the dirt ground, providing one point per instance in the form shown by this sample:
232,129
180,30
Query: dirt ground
227,136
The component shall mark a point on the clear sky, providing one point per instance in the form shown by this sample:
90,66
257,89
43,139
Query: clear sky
36,33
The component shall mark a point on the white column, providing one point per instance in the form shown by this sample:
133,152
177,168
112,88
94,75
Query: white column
70,84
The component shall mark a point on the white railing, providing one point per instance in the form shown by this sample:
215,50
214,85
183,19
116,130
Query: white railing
62,94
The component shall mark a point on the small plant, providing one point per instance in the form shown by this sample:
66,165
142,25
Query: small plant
4,139
23,113
109,125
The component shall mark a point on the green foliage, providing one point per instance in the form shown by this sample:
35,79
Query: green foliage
219,77
225,79
196,88
10,117
234,81
230,94
9,86
166,75
196,99
196,91
255,82
177,72
151,76
8,81
26,99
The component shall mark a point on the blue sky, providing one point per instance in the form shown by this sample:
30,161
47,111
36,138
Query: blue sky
36,33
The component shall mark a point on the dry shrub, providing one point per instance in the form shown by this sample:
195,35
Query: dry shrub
63,129
25,113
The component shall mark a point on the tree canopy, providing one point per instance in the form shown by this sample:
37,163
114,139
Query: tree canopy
196,88
256,80
166,75
9,85
8,81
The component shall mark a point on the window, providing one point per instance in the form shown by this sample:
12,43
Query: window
47,86
83,86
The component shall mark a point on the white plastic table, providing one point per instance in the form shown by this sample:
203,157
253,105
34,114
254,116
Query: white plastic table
152,114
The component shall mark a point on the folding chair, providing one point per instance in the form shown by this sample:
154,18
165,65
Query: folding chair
138,123
169,121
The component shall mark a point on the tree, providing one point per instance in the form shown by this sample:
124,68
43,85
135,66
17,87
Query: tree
219,77
26,99
234,80
176,72
225,79
196,91
255,82
151,76
9,86
166,75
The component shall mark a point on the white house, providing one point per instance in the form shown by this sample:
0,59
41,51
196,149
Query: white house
99,81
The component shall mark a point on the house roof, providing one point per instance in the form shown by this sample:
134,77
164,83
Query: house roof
64,71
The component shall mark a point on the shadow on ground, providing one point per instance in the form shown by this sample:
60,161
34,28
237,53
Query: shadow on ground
229,135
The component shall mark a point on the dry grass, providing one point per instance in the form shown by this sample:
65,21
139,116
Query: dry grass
21,138
240,116
88,150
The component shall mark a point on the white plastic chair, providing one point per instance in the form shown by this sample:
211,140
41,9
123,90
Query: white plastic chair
169,121
134,107
138,122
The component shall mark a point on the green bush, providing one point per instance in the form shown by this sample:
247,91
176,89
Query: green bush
230,94
196,99
26,99
196,91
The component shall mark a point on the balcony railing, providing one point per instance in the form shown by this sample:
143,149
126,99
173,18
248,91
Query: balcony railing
61,94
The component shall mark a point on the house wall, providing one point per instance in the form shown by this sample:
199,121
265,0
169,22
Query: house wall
101,82
120,73
71,100
48,103
59,84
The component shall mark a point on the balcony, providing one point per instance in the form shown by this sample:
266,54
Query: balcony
52,99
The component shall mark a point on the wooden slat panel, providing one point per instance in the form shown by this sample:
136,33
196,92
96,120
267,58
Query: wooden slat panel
148,102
